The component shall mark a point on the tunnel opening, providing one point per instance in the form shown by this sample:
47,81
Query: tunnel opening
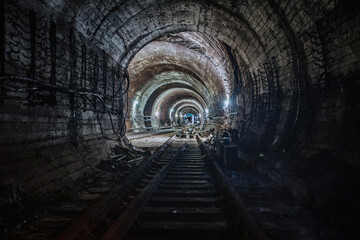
176,68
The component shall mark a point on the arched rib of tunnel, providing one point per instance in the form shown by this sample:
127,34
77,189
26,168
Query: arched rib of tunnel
164,71
78,78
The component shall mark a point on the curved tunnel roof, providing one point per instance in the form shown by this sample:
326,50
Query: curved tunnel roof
250,53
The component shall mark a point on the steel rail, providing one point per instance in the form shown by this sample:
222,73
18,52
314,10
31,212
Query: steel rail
251,228
124,222
91,218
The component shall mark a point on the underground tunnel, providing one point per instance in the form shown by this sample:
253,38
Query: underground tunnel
159,119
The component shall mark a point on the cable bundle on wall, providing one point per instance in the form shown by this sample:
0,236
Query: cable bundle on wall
80,92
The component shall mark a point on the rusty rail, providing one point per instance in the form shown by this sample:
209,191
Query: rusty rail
95,215
123,223
247,222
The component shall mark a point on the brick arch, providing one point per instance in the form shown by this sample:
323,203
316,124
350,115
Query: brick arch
256,32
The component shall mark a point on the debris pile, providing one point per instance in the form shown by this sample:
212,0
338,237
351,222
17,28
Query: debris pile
19,206
122,159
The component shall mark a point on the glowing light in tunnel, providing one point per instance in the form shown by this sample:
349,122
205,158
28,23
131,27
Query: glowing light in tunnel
157,114
226,103
207,111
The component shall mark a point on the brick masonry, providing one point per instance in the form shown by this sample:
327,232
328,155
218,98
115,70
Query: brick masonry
294,71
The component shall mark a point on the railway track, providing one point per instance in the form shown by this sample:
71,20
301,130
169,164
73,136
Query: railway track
187,204
177,193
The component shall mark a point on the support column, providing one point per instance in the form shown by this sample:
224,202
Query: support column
2,38
73,124
2,47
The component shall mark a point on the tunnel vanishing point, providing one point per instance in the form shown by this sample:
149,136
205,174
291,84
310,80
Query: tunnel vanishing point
81,81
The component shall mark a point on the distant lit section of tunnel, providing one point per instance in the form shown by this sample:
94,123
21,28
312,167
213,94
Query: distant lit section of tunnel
178,74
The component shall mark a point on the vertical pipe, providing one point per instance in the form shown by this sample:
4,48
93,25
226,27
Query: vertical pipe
104,77
53,60
32,19
2,38
71,60
83,67
113,90
83,72
2,47
96,75
53,52
105,73
73,125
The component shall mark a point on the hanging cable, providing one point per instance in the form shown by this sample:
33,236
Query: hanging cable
83,92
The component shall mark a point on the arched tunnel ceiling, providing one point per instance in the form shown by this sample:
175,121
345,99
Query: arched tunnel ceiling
163,103
174,91
179,105
191,110
270,42
168,80
196,53
125,26
200,52
202,63
162,83
186,65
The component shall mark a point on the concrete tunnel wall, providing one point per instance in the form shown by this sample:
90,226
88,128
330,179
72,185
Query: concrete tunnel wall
290,69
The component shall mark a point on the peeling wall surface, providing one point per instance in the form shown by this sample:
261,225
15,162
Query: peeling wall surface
76,75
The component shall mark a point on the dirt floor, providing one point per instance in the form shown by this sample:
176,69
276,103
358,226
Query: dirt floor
274,207
151,142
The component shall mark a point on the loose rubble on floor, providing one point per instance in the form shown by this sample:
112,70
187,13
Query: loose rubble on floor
21,206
